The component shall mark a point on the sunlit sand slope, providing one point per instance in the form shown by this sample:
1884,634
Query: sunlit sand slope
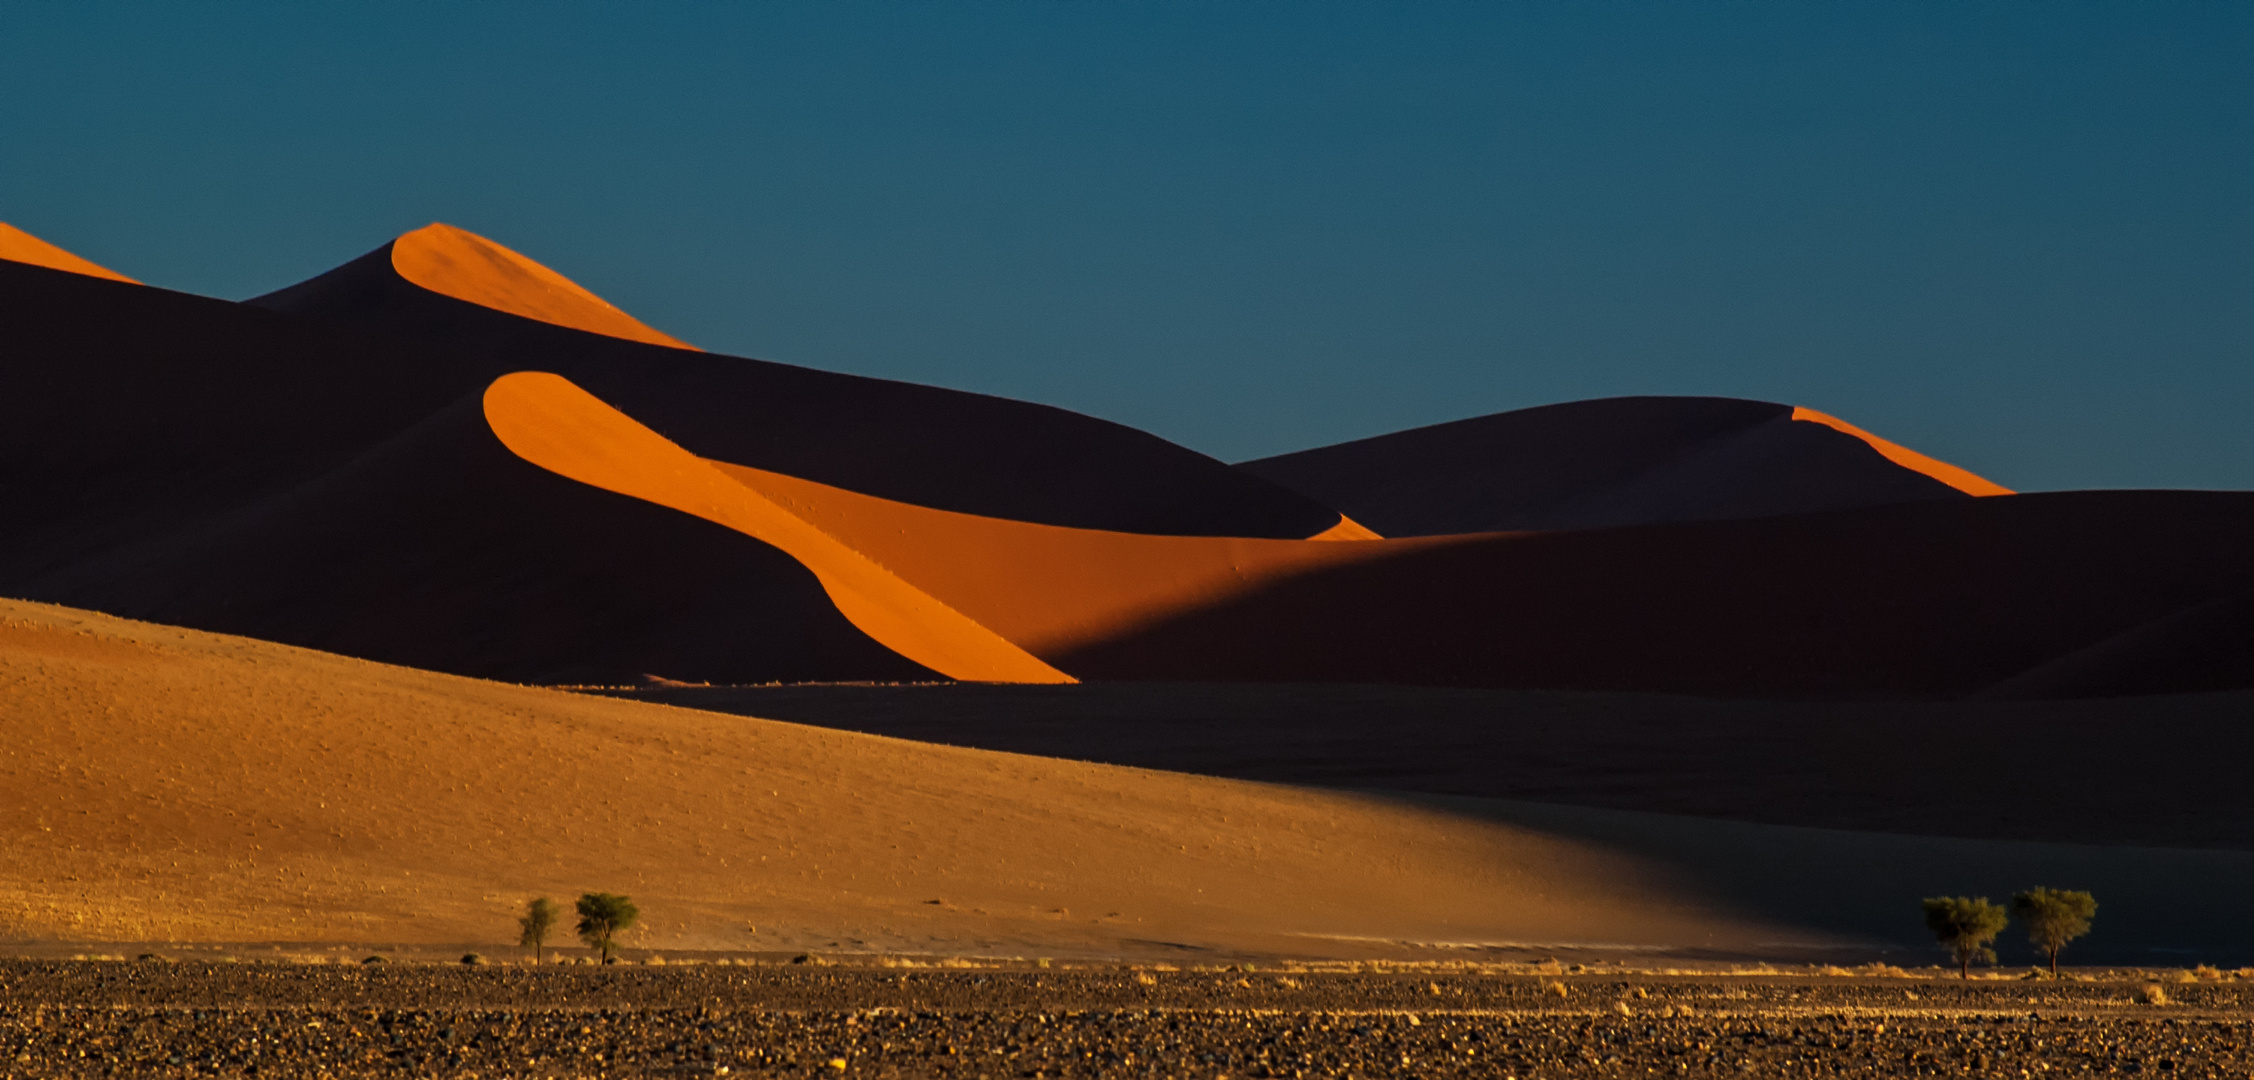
1613,462
471,268
168,784
1045,587
920,444
17,245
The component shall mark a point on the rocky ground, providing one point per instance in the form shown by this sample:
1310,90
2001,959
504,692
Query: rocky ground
159,1018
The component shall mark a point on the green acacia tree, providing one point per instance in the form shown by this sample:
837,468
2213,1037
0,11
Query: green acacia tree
2054,917
604,916
539,917
1966,925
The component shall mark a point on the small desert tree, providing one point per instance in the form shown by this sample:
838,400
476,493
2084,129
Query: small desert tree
1966,924
2054,917
539,917
604,916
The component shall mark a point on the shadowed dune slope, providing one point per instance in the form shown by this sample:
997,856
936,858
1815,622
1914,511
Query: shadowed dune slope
440,549
199,462
17,245
2147,771
919,444
1941,598
168,784
1613,462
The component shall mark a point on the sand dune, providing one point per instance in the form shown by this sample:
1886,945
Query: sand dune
471,268
546,420
972,597
1940,598
359,503
1961,479
168,784
17,245
925,445
1614,462
1929,599
164,784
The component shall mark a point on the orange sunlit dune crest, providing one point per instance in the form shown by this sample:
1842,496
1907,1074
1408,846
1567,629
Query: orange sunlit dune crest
1049,588
17,245
1963,480
1347,529
468,267
552,423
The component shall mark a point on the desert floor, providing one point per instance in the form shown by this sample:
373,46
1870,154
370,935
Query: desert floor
198,1018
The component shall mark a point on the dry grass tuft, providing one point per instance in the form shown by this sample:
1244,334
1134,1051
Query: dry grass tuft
2153,994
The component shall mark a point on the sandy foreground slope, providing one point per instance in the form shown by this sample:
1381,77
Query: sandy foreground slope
160,784
165,784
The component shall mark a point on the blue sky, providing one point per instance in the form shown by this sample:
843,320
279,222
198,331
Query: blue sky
2016,236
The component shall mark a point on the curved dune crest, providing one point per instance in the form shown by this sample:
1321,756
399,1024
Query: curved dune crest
550,422
1046,587
468,267
17,245
1961,479
1608,463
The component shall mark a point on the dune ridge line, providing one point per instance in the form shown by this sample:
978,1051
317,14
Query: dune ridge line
1963,480
17,245
468,267
549,421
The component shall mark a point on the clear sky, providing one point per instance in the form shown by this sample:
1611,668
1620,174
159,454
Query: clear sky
2019,237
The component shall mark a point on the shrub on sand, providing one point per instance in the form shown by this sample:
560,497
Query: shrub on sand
539,918
604,916
1966,925
2054,917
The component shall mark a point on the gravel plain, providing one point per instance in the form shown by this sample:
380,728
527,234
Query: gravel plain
264,1019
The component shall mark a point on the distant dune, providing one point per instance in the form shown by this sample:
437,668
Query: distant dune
446,455
357,501
1613,462
2026,596
17,245
1939,598
919,444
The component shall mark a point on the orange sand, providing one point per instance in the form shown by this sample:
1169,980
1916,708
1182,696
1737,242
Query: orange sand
165,784
17,245
973,597
469,267
1347,529
1960,479
1045,587
548,421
